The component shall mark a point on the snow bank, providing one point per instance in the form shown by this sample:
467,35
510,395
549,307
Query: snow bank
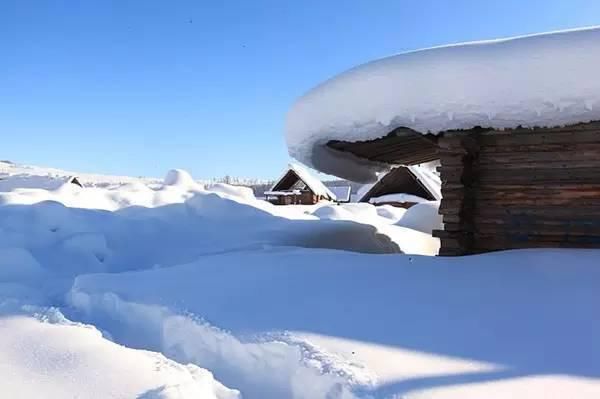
392,213
17,265
423,217
45,356
179,177
392,326
260,367
400,197
539,80
245,193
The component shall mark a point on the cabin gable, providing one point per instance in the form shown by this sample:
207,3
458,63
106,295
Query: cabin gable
400,180
291,189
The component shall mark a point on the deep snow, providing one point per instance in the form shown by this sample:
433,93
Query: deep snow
538,80
166,285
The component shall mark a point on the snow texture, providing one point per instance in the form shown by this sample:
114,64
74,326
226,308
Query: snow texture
423,217
539,80
45,356
396,198
173,291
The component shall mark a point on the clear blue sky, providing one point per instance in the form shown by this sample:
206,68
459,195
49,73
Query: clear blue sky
139,87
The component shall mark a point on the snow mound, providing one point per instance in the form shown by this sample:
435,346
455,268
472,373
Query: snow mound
45,356
419,326
332,212
18,265
179,177
241,192
423,217
539,80
400,197
261,368
392,213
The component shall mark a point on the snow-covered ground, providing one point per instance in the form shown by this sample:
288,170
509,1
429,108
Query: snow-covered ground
151,289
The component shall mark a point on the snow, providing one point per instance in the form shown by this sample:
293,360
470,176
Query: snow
150,290
400,197
429,177
423,217
179,177
342,193
539,80
45,356
395,326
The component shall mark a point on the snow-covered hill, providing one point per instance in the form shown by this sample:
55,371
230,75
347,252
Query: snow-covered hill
148,288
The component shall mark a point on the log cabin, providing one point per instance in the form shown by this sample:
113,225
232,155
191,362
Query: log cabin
401,187
514,123
507,189
298,187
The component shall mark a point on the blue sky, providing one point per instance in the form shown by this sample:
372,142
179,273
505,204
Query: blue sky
139,87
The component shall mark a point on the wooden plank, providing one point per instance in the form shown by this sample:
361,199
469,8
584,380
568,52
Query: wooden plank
538,156
561,147
536,176
556,212
561,230
543,193
541,137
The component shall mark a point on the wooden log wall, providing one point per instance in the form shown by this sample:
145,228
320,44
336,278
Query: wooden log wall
520,188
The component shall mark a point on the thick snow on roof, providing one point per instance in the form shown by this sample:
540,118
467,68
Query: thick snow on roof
425,173
342,193
311,181
539,80
428,176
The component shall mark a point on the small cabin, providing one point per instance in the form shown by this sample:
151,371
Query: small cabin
298,186
401,187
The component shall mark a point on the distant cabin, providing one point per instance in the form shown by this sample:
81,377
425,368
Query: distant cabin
298,186
401,187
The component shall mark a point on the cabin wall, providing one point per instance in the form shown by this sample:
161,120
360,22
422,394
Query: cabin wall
520,188
304,198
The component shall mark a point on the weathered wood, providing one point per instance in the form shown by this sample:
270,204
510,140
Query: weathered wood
520,188
502,189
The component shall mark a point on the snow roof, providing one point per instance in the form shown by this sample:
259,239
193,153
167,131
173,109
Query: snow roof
429,177
342,193
541,80
308,178
426,176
